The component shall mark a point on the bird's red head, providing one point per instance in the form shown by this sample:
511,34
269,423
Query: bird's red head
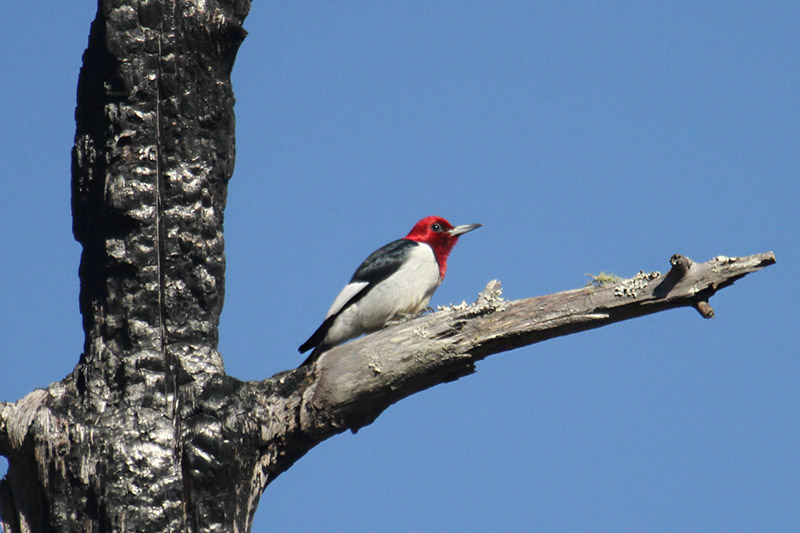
440,235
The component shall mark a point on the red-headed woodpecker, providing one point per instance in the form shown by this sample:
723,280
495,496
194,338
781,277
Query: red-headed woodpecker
394,281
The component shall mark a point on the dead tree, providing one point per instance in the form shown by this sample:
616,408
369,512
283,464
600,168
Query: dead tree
148,433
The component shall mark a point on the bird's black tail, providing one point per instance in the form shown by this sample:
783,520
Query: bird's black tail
317,341
314,355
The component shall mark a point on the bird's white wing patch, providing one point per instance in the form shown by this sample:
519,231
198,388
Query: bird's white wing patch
350,290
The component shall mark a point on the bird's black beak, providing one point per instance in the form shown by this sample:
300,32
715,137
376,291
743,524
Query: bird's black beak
460,230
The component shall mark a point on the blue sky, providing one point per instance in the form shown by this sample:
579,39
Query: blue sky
586,137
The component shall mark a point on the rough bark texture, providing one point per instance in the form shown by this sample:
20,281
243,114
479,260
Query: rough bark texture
148,433
154,150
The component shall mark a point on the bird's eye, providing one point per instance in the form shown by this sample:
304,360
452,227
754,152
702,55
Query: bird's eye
437,227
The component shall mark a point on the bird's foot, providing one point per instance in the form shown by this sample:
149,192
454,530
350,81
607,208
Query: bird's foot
405,317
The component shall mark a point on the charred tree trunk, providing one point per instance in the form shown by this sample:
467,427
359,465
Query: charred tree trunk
148,433
154,150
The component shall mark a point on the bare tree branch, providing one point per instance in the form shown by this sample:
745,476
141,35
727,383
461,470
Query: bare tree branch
351,385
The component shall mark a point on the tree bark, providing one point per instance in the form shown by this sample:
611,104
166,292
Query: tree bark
148,433
154,150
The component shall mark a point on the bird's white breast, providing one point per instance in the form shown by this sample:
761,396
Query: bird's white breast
407,291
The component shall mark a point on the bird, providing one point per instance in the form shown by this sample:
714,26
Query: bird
394,281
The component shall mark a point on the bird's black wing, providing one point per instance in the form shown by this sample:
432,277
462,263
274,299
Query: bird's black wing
383,262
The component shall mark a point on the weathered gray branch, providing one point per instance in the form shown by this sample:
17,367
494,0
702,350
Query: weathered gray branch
355,382
350,385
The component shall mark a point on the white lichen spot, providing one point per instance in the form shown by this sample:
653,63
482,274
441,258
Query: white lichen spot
453,307
373,364
633,286
490,299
